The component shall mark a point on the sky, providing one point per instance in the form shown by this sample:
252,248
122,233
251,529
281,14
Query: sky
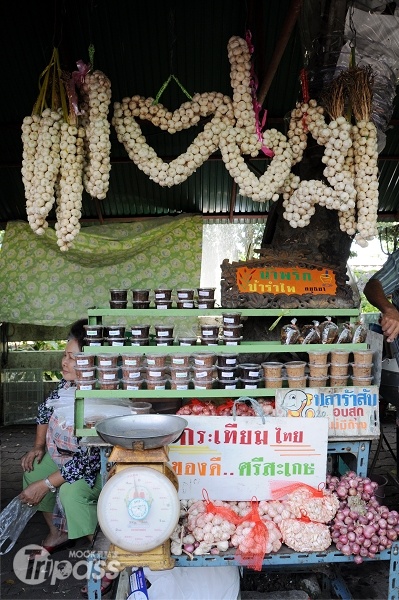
372,256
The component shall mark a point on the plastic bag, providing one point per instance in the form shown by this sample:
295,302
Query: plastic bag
290,333
310,334
360,333
206,583
345,334
13,519
328,331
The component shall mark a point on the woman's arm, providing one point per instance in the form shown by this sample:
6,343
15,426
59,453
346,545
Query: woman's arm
35,492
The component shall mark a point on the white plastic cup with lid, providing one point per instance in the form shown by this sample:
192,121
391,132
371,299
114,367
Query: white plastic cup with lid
140,408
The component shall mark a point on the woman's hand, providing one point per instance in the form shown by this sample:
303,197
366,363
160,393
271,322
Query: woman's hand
28,459
34,493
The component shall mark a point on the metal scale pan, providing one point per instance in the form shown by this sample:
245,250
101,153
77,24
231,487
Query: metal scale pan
152,431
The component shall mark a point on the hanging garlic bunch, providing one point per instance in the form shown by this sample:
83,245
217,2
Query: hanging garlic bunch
266,187
144,156
289,185
366,180
69,197
187,115
297,131
96,90
40,194
339,173
30,135
240,79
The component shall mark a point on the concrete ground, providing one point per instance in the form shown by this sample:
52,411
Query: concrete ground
367,581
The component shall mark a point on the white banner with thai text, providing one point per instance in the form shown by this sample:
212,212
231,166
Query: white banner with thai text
244,458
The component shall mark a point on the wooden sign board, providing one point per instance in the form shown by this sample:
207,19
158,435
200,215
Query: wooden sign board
286,280
236,459
352,412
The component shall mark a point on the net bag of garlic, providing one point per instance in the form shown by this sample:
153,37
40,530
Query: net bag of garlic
254,538
303,535
196,407
315,504
311,508
211,524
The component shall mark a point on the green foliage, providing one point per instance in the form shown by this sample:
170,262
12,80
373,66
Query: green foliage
38,345
388,234
52,375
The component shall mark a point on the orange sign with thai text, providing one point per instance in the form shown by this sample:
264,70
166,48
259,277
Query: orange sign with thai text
286,280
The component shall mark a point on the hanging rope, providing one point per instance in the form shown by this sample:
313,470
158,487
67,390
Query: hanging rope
172,43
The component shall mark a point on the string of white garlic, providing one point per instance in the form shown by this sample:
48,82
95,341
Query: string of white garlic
69,198
129,133
40,192
366,180
265,187
97,90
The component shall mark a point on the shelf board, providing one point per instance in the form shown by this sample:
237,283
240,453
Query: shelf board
200,312
249,347
284,556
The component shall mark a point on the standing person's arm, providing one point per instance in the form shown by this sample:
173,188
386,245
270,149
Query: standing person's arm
381,285
389,314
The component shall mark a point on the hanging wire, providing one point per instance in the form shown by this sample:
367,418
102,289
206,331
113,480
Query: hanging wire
172,38
59,12
351,11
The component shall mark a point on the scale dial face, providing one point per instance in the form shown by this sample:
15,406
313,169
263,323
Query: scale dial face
138,509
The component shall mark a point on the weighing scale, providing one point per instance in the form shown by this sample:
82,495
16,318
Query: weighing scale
138,508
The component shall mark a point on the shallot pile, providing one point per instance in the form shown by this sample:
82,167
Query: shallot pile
361,527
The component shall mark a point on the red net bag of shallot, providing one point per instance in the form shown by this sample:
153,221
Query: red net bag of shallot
196,407
225,409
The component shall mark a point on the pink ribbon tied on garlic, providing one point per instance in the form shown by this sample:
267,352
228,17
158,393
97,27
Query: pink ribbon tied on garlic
260,113
76,80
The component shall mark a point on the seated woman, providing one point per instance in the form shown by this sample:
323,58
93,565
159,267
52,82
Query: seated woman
61,477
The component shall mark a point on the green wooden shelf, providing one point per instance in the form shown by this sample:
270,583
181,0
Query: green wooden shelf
246,347
199,312
95,315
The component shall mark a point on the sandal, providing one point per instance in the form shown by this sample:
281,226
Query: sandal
106,586
45,551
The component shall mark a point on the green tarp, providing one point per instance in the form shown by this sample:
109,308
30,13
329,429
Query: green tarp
41,285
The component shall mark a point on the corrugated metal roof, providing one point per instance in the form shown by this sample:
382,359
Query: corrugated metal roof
138,45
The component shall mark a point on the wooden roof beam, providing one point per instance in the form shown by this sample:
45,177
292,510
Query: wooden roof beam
289,24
